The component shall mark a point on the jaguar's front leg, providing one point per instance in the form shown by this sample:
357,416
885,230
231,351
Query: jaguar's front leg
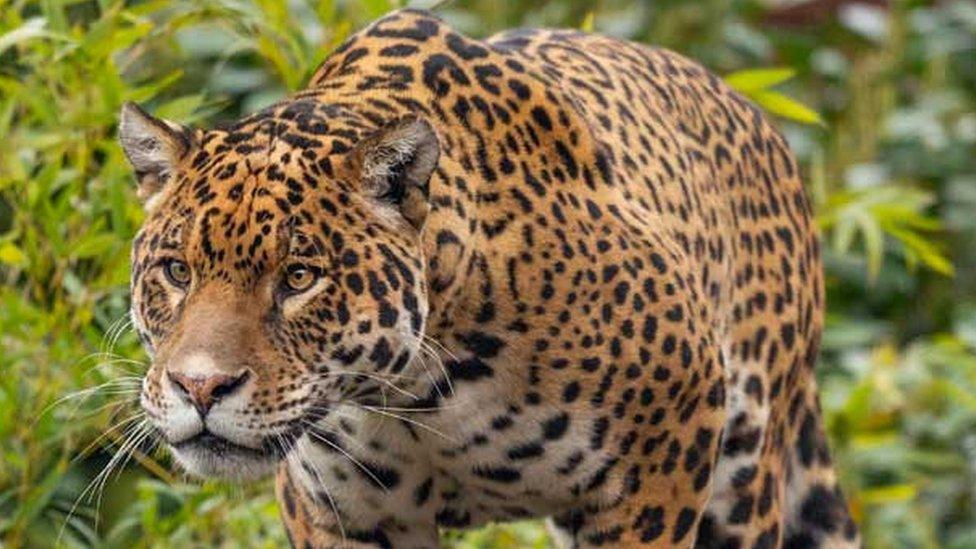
328,506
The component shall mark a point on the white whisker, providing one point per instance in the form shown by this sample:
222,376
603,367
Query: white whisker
339,449
407,420
321,484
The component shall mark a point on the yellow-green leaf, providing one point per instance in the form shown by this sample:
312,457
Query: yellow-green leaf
925,251
94,246
30,29
181,108
888,494
12,255
588,20
751,80
873,244
781,105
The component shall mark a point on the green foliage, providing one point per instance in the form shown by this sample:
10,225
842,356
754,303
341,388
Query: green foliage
906,418
516,535
756,83
886,146
895,210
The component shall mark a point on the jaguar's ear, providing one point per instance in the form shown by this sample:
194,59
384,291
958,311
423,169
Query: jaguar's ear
153,146
395,165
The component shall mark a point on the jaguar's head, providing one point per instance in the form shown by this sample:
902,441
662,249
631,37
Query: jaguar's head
278,273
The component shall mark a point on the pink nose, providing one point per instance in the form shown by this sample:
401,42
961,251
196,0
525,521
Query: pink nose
204,391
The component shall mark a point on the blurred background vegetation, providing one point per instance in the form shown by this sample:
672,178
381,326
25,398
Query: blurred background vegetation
888,148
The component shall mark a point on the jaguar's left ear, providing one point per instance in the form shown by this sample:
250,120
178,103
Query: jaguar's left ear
395,165
154,147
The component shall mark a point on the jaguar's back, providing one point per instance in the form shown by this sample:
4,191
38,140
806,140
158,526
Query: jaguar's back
703,175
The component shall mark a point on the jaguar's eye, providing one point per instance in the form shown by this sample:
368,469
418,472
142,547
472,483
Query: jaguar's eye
299,278
177,272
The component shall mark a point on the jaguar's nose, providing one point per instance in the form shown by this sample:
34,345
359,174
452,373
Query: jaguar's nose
203,391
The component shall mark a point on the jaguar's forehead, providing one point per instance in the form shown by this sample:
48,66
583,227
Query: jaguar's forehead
305,124
263,188
235,239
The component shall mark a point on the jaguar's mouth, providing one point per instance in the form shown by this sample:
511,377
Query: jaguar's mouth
216,445
210,455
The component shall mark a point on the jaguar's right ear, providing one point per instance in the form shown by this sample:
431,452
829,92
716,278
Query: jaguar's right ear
153,146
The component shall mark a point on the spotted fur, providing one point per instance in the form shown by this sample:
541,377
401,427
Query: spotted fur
553,274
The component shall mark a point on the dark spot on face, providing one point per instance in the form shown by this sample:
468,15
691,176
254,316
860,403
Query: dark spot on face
686,518
555,427
650,523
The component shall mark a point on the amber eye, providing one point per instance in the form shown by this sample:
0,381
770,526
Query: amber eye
299,278
177,272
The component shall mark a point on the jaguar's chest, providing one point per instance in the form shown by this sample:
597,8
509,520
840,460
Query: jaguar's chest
493,456
481,455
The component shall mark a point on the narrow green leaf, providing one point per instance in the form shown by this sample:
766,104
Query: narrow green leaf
888,494
782,105
95,245
32,28
926,251
750,80
181,108
873,244
588,21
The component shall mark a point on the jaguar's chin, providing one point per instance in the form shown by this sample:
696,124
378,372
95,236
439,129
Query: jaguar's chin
210,456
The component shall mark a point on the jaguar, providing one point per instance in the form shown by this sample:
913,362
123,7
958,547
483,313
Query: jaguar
452,281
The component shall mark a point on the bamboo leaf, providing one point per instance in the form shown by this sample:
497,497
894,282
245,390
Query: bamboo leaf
873,244
782,105
925,251
587,24
752,80
889,494
31,29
